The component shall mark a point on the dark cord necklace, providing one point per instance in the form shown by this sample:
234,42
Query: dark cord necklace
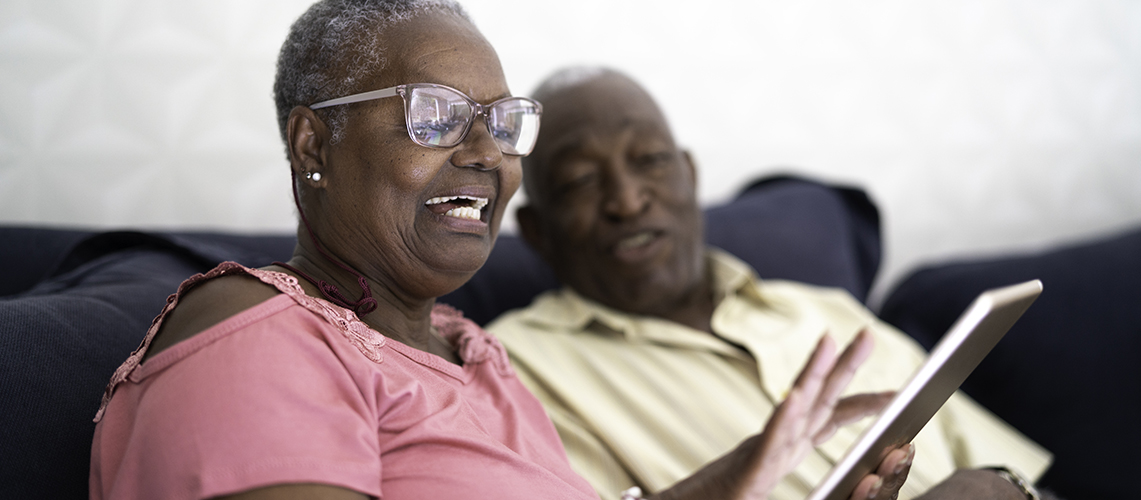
365,304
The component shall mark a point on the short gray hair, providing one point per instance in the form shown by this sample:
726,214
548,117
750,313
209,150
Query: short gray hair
334,47
571,76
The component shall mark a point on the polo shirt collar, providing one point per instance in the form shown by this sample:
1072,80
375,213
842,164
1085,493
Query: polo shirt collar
566,310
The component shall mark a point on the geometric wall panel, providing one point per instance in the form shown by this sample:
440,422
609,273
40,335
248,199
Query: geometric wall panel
979,126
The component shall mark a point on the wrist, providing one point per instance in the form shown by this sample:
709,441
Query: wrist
1015,479
633,493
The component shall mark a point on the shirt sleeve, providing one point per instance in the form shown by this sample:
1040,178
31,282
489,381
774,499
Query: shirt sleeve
245,406
979,438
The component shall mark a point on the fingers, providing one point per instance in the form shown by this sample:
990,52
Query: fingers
838,378
785,440
888,477
851,409
885,483
895,466
869,487
813,374
855,407
799,406
854,355
790,432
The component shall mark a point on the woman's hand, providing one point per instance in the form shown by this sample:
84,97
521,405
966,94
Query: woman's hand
809,415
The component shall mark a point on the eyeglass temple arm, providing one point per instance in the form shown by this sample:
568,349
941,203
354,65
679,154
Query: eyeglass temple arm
363,96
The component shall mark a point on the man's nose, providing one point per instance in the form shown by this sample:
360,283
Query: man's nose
626,195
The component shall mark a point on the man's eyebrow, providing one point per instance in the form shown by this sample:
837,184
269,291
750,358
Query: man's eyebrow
567,145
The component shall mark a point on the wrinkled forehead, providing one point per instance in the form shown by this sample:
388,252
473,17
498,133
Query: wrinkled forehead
589,115
441,47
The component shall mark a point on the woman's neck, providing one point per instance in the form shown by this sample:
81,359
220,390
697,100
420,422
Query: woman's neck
404,319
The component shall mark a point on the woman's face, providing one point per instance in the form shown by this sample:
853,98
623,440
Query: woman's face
380,206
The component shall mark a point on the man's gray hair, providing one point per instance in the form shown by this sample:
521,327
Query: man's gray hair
559,81
571,76
334,47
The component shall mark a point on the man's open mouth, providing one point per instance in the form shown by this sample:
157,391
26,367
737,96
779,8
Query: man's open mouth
636,240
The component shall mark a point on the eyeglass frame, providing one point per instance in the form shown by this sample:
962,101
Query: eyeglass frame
399,90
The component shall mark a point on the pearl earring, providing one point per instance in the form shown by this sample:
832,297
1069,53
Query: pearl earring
313,176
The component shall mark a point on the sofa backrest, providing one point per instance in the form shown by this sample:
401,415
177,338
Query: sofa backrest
1067,373
77,304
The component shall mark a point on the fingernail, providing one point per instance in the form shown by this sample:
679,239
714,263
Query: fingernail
875,491
907,461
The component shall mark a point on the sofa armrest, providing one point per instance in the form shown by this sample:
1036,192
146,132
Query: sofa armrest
1066,374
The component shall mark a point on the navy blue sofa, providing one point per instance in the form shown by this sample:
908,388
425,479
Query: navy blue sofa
1067,374
74,304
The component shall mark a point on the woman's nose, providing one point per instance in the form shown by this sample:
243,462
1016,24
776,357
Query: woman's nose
478,149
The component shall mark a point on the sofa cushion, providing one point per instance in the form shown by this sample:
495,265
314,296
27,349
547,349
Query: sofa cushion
1066,374
29,254
63,337
61,341
797,229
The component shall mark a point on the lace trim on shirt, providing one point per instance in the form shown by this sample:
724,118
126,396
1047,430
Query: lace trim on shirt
472,343
365,339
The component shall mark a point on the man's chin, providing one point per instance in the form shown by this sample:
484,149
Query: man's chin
652,295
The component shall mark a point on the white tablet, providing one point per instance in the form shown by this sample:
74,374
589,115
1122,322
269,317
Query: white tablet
968,341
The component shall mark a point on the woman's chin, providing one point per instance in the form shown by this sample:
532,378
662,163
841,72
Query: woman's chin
451,273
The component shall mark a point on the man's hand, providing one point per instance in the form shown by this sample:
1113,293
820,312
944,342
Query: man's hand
809,415
888,478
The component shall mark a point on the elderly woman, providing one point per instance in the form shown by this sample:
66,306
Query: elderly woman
335,375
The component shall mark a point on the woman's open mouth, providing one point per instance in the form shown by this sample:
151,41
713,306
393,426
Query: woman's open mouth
460,207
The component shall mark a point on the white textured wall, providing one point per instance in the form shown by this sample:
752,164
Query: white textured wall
979,126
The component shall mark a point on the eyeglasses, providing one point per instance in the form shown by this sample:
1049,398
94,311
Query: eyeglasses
439,116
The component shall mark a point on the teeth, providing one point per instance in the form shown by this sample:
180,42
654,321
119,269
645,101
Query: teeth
470,212
636,241
477,203
463,213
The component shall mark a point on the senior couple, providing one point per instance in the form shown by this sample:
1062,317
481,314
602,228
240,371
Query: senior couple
663,364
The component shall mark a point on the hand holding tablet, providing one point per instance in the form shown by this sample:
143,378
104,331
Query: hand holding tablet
808,416
962,348
876,466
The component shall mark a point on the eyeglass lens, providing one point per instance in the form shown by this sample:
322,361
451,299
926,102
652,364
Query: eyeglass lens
440,117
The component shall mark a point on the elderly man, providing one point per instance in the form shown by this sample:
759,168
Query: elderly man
661,354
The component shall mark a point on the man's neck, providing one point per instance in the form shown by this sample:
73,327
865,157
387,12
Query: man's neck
695,309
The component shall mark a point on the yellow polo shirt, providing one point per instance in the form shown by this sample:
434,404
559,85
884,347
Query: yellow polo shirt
644,401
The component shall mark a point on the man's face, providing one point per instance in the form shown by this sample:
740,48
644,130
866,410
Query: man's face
615,212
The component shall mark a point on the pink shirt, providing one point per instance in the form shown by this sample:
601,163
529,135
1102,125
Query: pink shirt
297,390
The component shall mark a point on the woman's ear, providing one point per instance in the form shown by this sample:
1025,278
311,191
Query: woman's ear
308,142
